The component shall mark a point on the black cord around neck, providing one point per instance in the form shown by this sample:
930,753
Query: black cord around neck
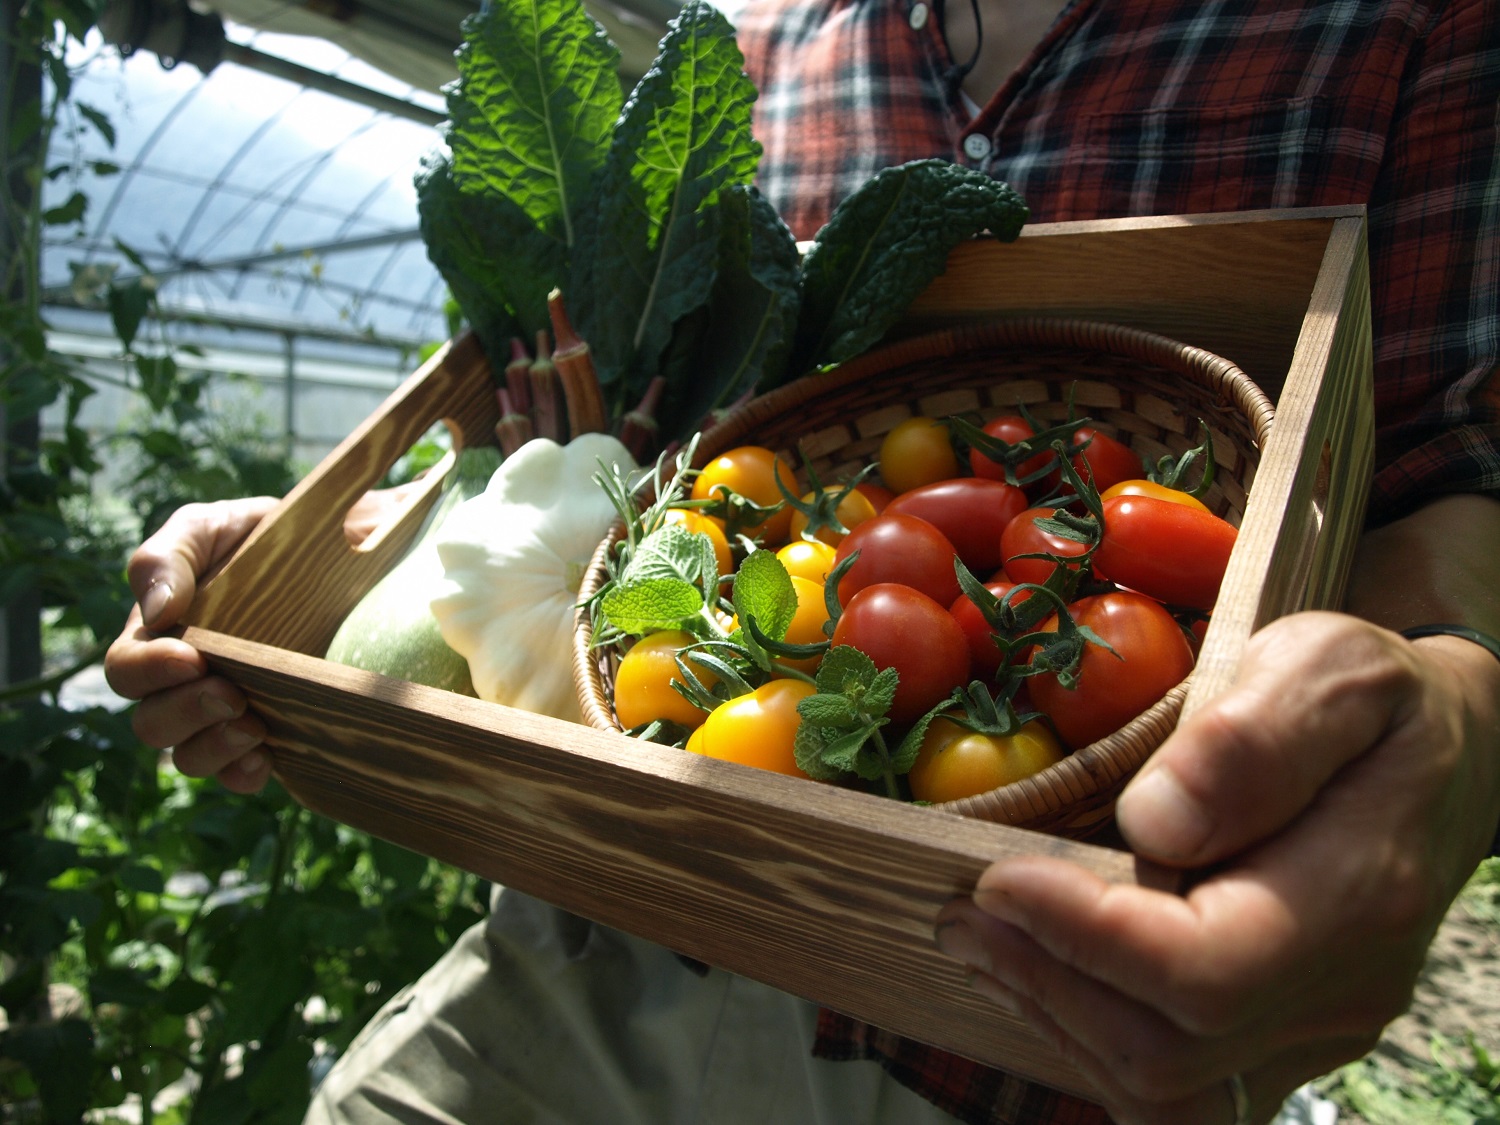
955,77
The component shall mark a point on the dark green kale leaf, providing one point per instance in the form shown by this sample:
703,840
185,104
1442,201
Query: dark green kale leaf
530,122
741,338
648,253
884,244
464,243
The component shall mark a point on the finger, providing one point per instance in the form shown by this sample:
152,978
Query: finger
1315,691
1209,961
231,751
139,663
247,773
176,716
1144,1052
165,569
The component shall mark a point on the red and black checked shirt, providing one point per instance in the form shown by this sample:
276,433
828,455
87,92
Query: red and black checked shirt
1148,107
1184,106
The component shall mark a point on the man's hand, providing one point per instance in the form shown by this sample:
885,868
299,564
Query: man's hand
203,718
1330,805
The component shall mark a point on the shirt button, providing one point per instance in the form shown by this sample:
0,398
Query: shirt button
976,146
918,17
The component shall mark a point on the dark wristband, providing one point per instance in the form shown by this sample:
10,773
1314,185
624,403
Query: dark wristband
1483,640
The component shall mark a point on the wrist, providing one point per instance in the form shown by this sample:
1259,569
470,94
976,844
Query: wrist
1466,636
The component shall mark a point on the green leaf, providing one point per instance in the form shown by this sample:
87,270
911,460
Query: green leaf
99,120
70,211
763,591
532,112
530,119
60,1059
651,605
741,339
647,255
460,233
885,243
672,551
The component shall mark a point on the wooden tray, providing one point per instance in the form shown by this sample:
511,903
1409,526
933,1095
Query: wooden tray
825,893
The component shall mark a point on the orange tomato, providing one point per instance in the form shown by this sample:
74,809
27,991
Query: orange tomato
807,558
917,451
956,762
643,685
759,729
751,471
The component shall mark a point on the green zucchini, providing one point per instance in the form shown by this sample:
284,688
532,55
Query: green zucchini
391,630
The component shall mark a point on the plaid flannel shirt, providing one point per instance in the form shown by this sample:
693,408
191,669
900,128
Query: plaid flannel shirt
1150,107
1153,107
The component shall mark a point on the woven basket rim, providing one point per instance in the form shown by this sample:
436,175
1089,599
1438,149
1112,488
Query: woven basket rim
1089,773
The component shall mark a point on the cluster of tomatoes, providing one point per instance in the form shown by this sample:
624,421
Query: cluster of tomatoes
934,563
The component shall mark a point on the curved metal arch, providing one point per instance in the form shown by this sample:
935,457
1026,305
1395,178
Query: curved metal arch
355,213
128,175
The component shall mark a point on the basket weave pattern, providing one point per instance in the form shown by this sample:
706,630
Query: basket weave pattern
1144,389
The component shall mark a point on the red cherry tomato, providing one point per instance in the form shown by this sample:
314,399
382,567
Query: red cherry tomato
901,628
877,494
1023,537
1105,460
1151,656
899,548
971,511
984,655
1169,551
1011,429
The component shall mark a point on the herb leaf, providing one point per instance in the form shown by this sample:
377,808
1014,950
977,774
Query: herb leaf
885,243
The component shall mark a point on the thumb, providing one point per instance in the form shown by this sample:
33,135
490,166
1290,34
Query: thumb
165,569
1314,692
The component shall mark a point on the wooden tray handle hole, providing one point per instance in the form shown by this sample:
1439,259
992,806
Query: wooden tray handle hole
388,507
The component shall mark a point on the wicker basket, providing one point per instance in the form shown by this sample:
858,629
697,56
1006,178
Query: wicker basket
1144,389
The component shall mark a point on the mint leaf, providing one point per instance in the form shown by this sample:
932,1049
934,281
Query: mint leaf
885,243
672,551
763,591
647,254
651,605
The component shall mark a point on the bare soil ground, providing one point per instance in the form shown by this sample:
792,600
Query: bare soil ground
1457,995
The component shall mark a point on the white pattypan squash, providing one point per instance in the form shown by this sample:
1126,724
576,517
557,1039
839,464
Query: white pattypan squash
513,558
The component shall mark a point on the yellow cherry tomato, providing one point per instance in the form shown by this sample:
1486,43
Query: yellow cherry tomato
1152,489
759,729
917,451
700,524
807,623
807,558
643,685
751,471
956,762
852,510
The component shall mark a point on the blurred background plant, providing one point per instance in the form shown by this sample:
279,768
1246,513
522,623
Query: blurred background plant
168,951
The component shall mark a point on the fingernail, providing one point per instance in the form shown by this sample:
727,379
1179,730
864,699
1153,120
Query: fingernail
154,604
1163,818
255,762
215,707
237,739
993,991
959,941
